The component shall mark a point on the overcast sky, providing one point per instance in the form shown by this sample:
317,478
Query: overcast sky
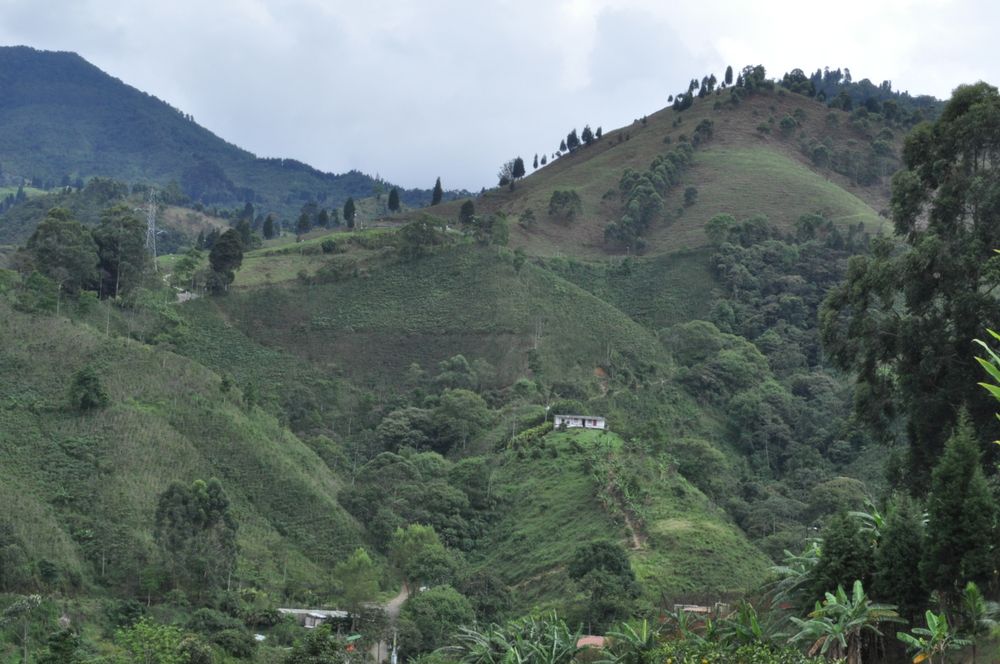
415,89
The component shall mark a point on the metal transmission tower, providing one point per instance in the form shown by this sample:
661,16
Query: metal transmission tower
151,224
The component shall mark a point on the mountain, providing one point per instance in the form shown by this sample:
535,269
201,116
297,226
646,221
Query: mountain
63,119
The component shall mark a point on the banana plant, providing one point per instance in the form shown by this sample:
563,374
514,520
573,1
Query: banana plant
933,640
836,626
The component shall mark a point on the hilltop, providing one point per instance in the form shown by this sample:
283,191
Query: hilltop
773,153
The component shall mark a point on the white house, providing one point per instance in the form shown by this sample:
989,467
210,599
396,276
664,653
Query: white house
579,422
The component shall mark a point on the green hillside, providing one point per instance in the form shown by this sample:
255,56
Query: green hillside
563,494
83,486
749,165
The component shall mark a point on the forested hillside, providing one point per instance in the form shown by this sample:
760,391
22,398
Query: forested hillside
64,121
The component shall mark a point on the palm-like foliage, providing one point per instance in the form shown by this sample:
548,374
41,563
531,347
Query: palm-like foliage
795,575
872,521
933,640
532,640
836,626
630,644
746,626
979,616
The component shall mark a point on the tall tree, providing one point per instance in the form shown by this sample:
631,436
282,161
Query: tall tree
960,517
587,136
904,320
897,559
394,200
518,171
323,218
729,75
572,141
121,248
845,555
534,164
467,213
438,192
226,257
303,225
63,250
349,212
358,579
269,230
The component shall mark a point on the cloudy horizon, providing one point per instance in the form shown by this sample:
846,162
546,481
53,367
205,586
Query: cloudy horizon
412,91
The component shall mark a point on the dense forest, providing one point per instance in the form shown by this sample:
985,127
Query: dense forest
287,415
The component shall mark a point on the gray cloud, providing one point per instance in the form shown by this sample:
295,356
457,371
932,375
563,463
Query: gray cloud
413,90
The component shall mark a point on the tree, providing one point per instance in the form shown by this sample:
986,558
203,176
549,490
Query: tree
845,555
603,571
358,579
323,218
18,615
979,616
197,534
394,200
505,175
467,213
322,646
438,192
572,141
959,518
121,250
349,212
86,392
562,145
226,256
417,552
897,560
431,618
64,251
729,75
534,164
903,319
598,134
518,170
150,643
587,136
269,230
303,225
545,160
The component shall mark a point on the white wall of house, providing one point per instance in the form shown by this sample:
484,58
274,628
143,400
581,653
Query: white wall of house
579,422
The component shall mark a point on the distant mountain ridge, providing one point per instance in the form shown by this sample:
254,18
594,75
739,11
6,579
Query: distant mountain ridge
62,118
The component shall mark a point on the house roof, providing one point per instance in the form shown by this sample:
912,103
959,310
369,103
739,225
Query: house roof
591,641
584,417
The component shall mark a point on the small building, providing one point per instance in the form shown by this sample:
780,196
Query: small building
312,618
579,422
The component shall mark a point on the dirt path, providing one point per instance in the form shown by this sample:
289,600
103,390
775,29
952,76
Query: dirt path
381,652
393,605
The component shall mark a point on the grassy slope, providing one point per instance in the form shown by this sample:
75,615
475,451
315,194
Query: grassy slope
690,548
167,421
740,172
460,300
